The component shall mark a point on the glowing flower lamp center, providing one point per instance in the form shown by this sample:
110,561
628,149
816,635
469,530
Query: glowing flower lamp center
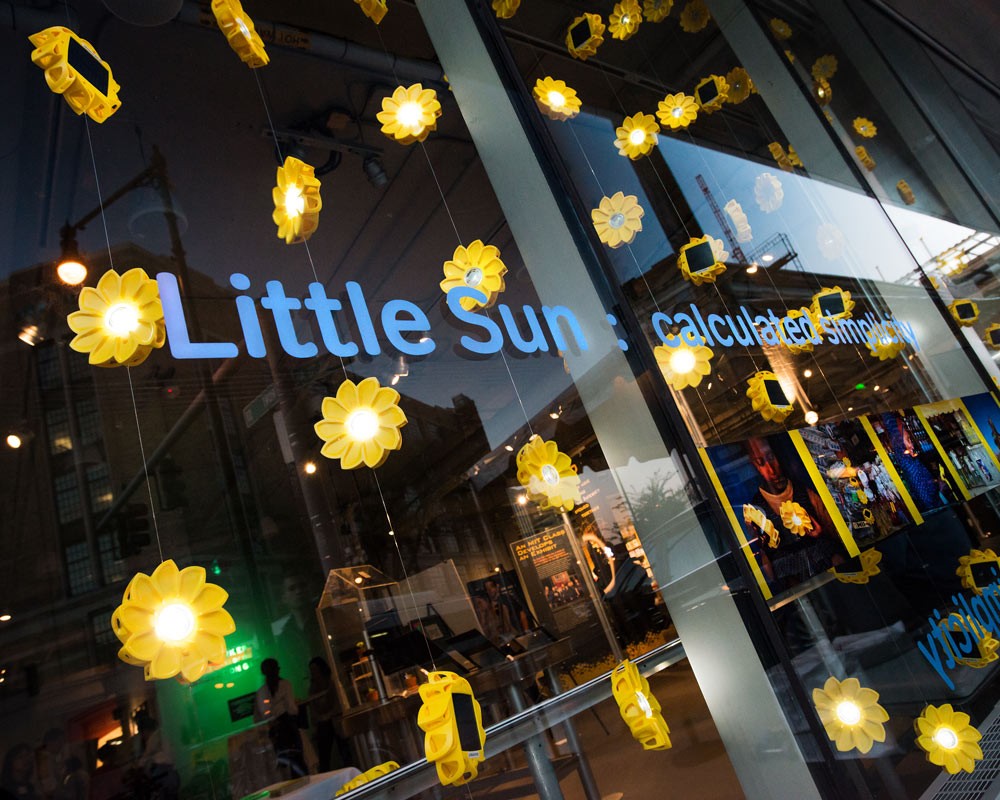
72,273
473,277
640,698
678,112
682,362
947,738
848,712
626,19
796,520
556,99
174,623
243,28
550,474
616,220
295,203
638,136
362,424
409,114
122,319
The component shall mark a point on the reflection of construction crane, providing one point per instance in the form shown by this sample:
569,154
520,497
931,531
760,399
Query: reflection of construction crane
775,253
727,231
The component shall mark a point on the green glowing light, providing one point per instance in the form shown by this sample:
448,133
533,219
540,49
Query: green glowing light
859,386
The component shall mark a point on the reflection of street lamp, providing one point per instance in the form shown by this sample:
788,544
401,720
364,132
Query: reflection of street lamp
71,269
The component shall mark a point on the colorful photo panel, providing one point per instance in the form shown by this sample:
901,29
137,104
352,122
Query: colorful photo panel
916,460
863,487
961,447
984,413
779,510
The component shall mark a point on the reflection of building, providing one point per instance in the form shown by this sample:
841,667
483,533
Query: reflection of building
82,492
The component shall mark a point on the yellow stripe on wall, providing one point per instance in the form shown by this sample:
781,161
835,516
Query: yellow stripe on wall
941,452
737,528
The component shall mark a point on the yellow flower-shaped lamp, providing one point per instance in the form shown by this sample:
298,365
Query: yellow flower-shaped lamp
964,312
409,114
677,111
780,156
711,93
173,623
452,722
864,157
694,16
478,267
297,201
639,708
555,99
361,424
375,10
617,219
865,127
657,10
752,515
832,303
986,643
884,349
822,92
781,29
824,68
744,233
795,518
948,738
991,336
367,777
906,193
548,474
768,398
740,85
625,18
978,569
768,192
637,135
239,31
120,321
682,364
73,69
584,36
699,260
505,9
851,715
867,567
804,343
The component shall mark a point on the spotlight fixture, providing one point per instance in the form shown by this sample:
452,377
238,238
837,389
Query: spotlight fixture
310,467
375,171
812,417
14,441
